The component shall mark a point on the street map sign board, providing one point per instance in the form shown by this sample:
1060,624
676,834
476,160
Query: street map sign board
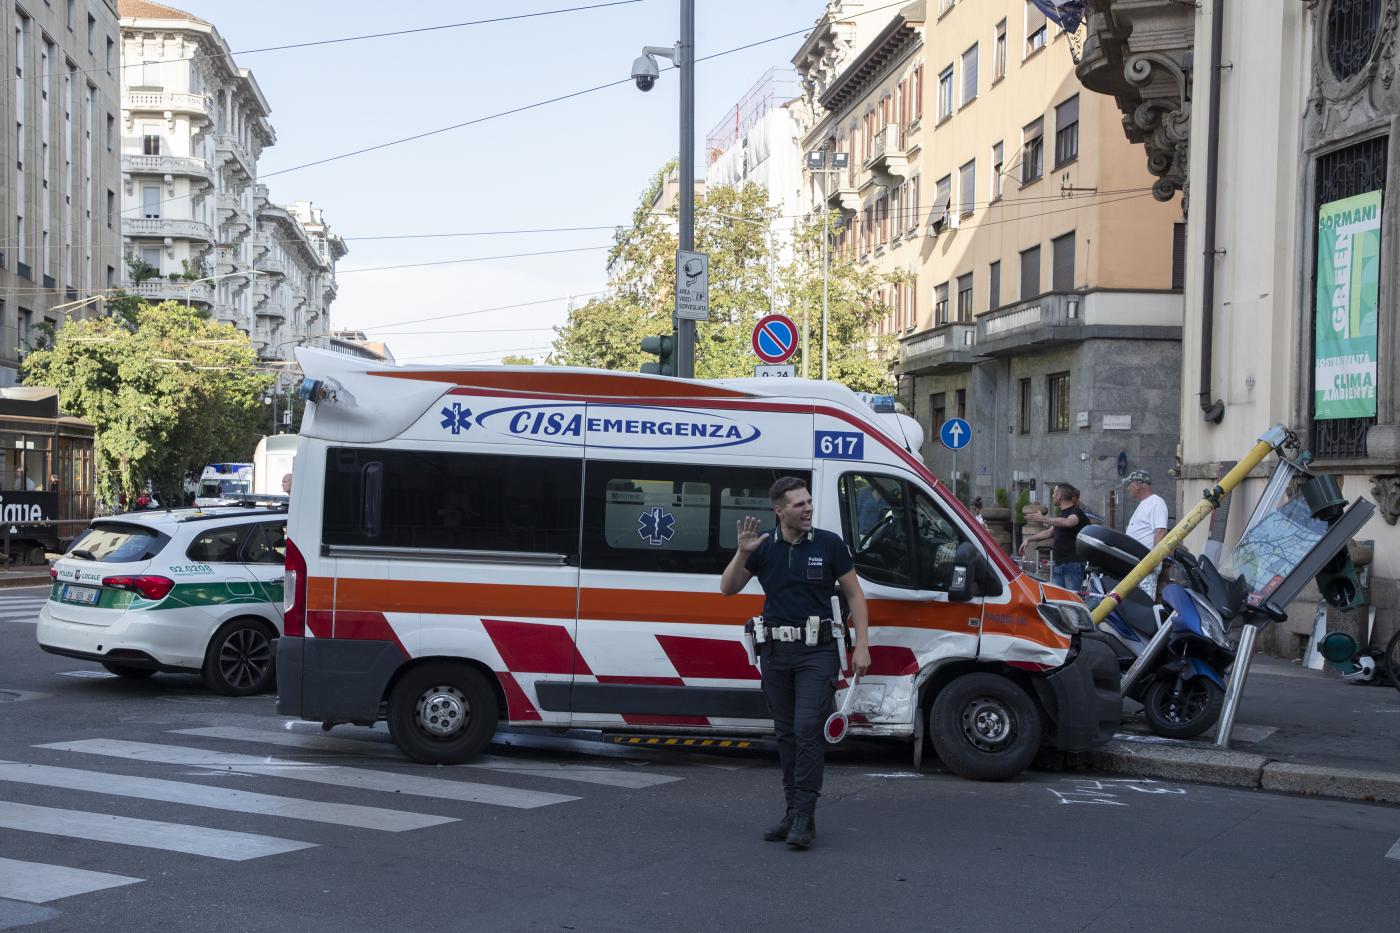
775,338
692,286
761,371
955,434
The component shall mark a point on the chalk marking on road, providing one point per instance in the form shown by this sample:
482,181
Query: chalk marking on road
149,834
39,883
86,673
584,773
1394,851
897,775
335,775
219,798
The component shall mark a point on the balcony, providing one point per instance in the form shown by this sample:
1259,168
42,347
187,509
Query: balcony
843,195
167,101
166,227
272,310
1069,317
888,161
230,150
232,214
273,267
951,346
259,197
162,165
156,290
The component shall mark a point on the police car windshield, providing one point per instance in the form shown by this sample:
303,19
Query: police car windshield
223,487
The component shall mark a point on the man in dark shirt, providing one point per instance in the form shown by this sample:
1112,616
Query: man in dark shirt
1063,531
799,568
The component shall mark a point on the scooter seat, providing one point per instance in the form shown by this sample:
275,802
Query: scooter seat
1136,610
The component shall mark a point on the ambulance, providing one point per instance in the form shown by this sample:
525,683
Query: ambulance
536,546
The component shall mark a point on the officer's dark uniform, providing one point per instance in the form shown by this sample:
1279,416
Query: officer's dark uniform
799,681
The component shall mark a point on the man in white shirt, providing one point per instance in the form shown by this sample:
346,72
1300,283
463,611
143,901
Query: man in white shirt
1149,522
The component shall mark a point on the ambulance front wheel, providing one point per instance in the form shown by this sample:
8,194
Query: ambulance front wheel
442,713
985,727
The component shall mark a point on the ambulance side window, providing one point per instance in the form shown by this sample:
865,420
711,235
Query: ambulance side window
875,523
936,541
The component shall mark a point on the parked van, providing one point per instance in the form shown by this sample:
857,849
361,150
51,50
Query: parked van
543,546
272,460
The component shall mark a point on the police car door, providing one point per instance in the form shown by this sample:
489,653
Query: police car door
264,555
903,545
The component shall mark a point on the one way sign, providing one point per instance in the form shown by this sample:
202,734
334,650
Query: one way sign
955,434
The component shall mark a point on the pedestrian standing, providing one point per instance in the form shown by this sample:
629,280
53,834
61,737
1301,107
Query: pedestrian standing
1149,522
977,511
799,568
1063,530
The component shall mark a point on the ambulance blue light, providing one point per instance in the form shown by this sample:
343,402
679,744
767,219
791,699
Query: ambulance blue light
880,403
310,389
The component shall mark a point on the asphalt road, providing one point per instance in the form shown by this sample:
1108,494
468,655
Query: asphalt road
153,805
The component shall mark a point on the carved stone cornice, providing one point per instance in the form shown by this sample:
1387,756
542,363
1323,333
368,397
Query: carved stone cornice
1386,489
1137,51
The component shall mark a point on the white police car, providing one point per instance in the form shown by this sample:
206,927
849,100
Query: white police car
187,590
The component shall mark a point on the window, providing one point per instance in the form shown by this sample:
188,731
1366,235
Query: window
150,140
72,5
110,46
150,255
965,300
943,193
111,206
944,6
918,90
940,304
1057,391
1036,29
994,285
1062,263
1030,273
1351,30
1067,131
120,543
436,500
960,397
998,167
969,65
1033,150
897,535
1178,255
945,93
216,546
92,32
999,52
670,518
1023,421
111,131
967,188
266,544
938,410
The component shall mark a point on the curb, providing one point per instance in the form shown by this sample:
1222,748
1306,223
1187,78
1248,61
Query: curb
8,582
1237,769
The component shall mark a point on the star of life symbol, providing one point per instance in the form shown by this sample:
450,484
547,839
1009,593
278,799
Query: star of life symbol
656,526
456,418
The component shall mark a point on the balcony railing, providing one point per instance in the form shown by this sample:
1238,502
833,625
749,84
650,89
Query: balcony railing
166,227
888,161
168,165
273,267
162,101
227,144
945,338
166,290
1048,310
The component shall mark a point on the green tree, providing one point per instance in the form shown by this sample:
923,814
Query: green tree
732,225
168,389
515,360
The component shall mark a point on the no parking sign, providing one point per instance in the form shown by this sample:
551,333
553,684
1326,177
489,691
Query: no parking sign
775,338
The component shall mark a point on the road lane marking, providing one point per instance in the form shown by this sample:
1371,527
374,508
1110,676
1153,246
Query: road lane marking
219,798
584,773
39,883
335,775
1394,851
150,834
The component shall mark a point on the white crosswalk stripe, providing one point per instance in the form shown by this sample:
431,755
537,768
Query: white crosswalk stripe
152,834
582,772
335,775
39,883
23,610
218,798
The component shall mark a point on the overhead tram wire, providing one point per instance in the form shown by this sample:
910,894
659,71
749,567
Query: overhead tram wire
511,307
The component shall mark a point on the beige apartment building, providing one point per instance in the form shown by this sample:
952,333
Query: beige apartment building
1040,281
61,240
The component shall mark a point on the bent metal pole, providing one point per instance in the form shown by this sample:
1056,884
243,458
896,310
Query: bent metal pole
1268,442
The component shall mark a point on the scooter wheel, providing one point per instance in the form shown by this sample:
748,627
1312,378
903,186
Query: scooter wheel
1178,708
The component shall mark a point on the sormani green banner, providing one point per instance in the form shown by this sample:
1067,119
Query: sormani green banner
1348,286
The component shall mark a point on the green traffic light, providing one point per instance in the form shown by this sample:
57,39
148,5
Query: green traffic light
663,347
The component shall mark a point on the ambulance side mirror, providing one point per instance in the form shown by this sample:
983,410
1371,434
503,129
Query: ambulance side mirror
972,576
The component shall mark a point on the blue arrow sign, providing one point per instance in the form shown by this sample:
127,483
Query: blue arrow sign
955,434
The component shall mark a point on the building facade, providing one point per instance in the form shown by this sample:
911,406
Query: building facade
1265,185
61,249
197,225
1036,291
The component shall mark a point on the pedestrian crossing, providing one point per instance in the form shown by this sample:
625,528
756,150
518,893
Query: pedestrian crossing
21,608
99,798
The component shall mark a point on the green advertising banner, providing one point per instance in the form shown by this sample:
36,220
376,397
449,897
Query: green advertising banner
1348,287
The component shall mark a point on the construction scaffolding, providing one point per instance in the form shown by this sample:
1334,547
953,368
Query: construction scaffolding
774,89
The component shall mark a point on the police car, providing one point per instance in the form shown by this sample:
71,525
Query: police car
183,590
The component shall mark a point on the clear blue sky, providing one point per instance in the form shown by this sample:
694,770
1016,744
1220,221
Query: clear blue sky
577,163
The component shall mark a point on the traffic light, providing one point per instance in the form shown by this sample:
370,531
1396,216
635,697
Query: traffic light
663,347
1338,581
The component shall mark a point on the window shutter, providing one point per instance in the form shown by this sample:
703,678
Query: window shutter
1062,263
1179,255
1030,273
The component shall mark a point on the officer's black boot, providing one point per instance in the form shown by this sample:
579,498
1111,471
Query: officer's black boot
804,830
778,832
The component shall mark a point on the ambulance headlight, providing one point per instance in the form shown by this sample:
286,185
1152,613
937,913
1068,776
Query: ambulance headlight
1066,617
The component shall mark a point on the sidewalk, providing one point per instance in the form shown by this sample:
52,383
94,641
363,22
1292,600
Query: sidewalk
1297,731
23,575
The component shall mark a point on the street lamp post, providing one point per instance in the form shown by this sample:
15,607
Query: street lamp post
816,163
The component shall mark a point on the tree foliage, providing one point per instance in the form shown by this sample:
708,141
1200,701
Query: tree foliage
747,279
168,389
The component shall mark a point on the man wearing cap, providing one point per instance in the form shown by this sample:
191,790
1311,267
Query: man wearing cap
1149,522
800,568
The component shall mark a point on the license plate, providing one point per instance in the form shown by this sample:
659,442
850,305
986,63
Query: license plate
85,595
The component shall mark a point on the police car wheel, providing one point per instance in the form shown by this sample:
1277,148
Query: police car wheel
241,660
985,727
442,713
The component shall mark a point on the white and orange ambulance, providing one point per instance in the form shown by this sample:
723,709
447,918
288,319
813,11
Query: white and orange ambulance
542,547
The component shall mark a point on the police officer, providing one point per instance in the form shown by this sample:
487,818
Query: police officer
798,566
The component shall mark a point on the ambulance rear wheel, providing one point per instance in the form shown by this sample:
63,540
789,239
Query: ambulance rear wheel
442,713
985,727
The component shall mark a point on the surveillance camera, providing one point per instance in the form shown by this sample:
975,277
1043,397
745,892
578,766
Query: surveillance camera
644,72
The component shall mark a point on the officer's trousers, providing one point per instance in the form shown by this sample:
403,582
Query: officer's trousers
799,683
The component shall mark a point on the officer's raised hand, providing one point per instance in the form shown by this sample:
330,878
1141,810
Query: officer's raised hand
747,533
